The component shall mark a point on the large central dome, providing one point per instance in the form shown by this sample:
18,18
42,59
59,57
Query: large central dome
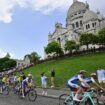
76,7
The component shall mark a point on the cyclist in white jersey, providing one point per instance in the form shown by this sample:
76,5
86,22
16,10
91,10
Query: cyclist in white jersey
73,83
90,80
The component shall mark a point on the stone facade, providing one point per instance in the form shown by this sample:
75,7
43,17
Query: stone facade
23,63
79,19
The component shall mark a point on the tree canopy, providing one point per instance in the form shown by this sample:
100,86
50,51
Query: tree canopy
7,63
53,48
101,36
70,45
87,38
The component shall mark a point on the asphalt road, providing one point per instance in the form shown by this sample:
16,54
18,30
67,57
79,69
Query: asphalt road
14,100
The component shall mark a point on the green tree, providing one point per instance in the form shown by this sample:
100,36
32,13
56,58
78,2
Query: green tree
70,45
86,39
7,63
101,36
34,57
53,48
95,39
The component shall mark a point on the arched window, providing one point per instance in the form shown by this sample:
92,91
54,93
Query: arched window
73,25
59,41
77,24
93,24
88,26
81,23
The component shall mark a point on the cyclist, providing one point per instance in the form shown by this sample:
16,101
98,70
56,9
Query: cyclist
5,80
28,82
72,83
89,80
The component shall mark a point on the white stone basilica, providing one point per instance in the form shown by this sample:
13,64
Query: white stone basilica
79,19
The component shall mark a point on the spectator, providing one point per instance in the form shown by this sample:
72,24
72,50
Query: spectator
52,78
44,83
23,76
101,76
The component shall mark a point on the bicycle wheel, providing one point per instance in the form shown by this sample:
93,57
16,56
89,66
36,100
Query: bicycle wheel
32,95
65,99
6,91
20,94
101,97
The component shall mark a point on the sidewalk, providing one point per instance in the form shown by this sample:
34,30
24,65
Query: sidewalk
52,93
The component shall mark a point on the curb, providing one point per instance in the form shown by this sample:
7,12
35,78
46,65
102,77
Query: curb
48,96
67,89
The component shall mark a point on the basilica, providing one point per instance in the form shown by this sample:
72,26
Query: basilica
79,19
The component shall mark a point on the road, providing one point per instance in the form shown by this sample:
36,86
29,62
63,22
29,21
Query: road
14,100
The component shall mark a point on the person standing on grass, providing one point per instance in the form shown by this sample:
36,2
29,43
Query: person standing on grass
23,76
52,78
44,83
101,76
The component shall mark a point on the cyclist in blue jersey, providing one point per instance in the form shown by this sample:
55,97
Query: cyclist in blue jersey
28,82
73,84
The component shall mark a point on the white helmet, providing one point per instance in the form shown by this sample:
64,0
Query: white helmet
93,74
30,75
82,71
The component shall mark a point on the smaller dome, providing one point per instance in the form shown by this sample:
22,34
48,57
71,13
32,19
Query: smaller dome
100,17
89,15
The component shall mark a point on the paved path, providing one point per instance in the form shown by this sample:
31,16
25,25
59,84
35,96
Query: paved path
50,99
14,100
54,93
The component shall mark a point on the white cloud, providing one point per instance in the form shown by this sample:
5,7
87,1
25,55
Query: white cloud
6,7
3,54
44,6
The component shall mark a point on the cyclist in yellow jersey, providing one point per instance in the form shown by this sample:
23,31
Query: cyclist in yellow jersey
5,80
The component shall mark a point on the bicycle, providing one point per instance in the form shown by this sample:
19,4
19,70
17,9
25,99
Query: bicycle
31,93
101,96
5,89
87,99
15,89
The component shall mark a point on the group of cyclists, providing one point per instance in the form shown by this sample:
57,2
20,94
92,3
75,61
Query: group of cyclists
85,82
72,83
13,80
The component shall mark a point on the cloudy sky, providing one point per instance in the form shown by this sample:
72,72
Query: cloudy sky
25,24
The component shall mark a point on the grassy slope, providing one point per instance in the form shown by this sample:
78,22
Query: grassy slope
67,67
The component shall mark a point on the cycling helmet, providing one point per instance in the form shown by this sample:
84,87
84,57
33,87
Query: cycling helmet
93,74
30,75
82,71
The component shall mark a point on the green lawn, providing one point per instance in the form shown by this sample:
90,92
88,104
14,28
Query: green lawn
67,67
